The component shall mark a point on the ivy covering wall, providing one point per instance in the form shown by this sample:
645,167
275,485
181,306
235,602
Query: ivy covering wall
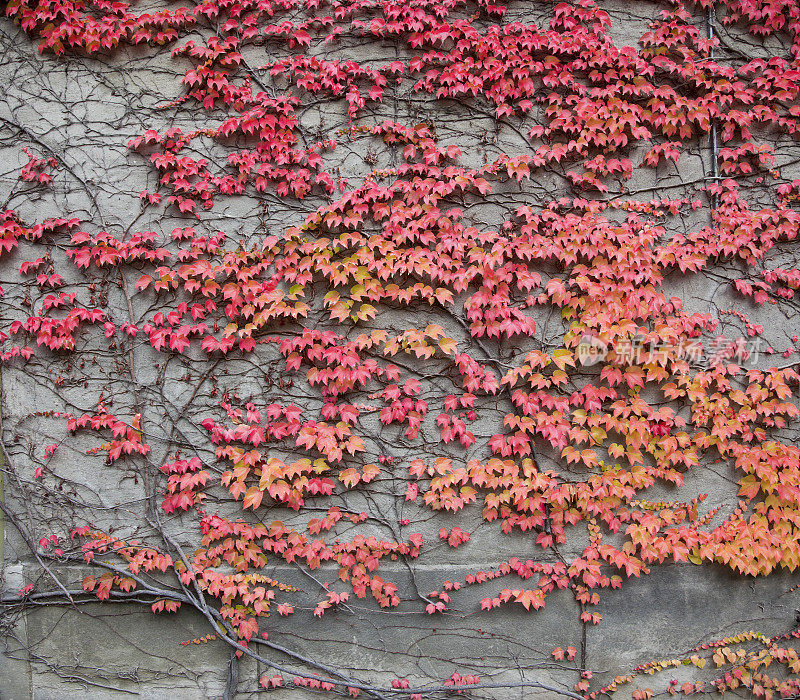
400,348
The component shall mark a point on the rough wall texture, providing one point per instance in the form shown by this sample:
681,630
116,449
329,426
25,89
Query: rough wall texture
83,111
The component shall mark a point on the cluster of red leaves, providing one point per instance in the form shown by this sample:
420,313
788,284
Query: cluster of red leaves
127,438
34,169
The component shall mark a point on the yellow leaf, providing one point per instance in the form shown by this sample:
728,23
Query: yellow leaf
447,345
370,472
349,477
252,497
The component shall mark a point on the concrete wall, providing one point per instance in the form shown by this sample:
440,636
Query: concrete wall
84,111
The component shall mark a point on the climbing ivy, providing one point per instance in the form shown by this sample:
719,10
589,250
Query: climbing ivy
534,375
